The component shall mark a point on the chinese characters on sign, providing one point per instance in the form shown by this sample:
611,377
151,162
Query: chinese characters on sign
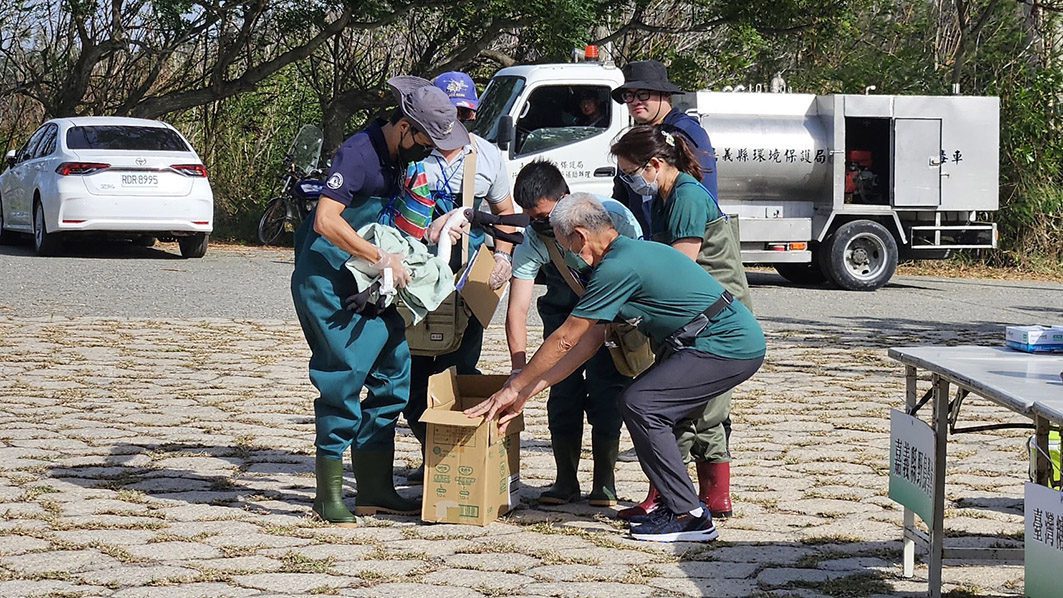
1047,528
774,155
1044,540
913,465
574,169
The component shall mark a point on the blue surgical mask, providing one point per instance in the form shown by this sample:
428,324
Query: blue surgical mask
638,183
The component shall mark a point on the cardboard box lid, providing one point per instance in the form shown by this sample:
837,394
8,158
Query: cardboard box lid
475,288
449,394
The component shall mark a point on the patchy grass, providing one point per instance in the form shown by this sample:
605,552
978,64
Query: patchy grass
852,586
556,558
490,548
238,551
298,563
132,496
811,561
32,493
830,539
640,574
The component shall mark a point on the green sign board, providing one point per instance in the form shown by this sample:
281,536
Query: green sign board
1044,541
911,464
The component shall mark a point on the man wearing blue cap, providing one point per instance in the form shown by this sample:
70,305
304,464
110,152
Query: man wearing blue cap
350,350
444,169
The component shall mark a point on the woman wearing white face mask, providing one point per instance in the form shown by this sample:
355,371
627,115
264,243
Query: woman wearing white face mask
656,161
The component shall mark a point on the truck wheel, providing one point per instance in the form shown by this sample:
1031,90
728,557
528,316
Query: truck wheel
194,245
861,256
801,273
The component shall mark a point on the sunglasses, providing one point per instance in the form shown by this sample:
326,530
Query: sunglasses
630,95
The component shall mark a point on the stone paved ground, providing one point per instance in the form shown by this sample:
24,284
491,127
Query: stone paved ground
174,458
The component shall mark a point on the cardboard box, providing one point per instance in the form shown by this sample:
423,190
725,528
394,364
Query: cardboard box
471,469
1034,339
475,288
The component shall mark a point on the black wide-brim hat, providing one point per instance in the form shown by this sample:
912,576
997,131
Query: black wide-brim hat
644,74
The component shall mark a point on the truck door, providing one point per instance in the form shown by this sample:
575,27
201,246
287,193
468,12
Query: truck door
916,162
572,125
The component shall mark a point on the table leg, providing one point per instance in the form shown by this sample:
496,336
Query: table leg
937,526
1042,465
910,398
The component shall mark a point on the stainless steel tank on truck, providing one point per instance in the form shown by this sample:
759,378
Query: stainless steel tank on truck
834,187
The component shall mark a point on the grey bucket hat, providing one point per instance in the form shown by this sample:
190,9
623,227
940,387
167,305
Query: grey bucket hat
644,74
430,108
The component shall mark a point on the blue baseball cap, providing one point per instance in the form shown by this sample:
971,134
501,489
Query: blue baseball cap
459,88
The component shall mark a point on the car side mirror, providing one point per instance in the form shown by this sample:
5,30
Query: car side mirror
505,132
10,157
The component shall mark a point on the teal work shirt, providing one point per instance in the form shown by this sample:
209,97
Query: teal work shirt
685,213
660,290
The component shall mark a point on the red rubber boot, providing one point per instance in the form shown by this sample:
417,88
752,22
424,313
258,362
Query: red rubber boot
647,506
714,488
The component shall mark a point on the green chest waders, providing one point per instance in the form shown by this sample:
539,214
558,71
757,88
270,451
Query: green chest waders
348,351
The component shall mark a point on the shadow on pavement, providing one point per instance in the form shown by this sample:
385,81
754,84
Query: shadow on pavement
95,249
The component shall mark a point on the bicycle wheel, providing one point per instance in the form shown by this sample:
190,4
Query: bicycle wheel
271,225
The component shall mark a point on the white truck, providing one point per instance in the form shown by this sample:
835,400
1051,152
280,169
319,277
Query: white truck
832,187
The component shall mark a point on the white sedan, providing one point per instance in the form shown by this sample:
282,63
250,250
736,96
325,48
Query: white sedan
125,177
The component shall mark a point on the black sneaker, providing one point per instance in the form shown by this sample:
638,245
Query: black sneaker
655,514
669,527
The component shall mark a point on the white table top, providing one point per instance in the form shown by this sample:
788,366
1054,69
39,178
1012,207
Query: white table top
1027,383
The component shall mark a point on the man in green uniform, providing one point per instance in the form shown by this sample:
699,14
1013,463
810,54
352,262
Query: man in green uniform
351,350
707,344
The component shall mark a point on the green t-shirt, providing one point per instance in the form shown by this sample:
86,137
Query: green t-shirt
686,212
660,290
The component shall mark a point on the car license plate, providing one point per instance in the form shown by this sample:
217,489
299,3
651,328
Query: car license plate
140,180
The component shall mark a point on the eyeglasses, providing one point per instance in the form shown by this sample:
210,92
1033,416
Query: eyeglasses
629,177
630,95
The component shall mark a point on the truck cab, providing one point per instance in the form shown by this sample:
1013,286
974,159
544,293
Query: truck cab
824,188
534,111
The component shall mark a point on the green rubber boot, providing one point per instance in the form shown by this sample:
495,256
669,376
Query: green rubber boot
416,477
566,457
603,490
328,504
373,471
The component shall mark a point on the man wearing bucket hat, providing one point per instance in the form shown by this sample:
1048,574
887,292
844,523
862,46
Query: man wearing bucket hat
444,173
647,93
350,350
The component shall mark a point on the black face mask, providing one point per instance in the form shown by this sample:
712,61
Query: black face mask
416,153
542,227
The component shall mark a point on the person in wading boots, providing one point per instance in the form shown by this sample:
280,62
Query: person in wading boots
444,170
348,350
660,162
595,387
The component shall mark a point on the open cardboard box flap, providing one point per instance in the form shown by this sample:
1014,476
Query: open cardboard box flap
476,290
449,394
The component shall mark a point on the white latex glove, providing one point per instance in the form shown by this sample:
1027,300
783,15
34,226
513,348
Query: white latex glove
502,271
432,235
400,276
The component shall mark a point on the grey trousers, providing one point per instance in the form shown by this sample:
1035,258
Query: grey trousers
662,396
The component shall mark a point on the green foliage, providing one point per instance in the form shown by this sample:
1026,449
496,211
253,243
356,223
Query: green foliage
243,141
